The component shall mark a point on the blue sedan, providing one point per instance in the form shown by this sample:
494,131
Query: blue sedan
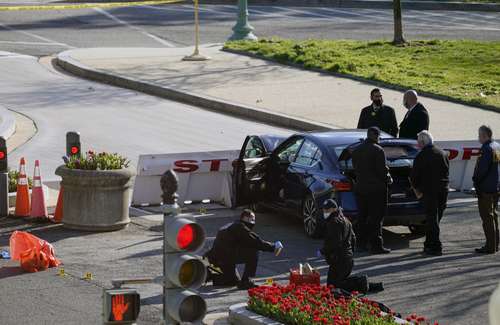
296,174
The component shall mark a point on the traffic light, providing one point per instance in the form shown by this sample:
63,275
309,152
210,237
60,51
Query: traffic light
183,271
121,306
73,145
3,156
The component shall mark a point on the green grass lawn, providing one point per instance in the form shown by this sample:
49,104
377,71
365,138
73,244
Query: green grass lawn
465,70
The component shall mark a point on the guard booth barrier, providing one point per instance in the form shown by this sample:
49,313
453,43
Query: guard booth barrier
208,175
202,175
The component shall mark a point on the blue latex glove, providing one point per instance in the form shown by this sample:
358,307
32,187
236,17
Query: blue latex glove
318,253
5,255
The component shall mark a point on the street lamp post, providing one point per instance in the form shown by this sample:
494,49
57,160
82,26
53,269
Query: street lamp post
196,56
243,30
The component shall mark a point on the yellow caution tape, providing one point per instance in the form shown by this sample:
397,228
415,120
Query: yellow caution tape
90,5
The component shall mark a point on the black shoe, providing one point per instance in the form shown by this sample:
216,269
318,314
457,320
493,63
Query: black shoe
380,250
484,250
246,284
375,287
433,252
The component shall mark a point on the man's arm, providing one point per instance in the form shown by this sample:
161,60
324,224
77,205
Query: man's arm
394,123
416,173
381,166
333,239
361,120
422,121
252,240
483,166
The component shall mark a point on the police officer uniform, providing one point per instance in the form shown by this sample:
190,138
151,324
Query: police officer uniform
382,117
372,177
234,244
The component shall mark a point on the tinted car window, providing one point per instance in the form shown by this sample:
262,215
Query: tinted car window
254,148
309,154
289,152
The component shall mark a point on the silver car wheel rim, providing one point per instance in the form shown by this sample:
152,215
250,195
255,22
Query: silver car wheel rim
309,216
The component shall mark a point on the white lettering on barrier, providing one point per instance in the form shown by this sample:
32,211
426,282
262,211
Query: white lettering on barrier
202,175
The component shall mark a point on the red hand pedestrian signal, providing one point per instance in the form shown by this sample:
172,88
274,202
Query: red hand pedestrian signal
119,307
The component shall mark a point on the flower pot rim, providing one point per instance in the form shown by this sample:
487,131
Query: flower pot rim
127,171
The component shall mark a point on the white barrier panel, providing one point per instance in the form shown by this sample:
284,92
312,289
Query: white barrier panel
202,175
463,156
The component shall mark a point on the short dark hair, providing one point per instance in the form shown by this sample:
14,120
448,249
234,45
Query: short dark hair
487,130
374,90
373,132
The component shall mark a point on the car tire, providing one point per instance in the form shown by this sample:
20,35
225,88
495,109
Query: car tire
417,229
310,218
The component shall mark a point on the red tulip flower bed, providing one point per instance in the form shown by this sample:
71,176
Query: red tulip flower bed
315,305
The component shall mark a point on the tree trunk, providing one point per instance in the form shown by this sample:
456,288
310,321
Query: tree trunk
398,23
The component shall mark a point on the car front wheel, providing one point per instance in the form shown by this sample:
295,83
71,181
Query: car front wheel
310,217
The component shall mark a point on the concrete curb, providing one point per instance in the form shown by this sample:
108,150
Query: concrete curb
66,62
368,81
240,315
372,4
7,123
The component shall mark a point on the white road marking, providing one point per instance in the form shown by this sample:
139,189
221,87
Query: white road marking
47,40
140,30
31,43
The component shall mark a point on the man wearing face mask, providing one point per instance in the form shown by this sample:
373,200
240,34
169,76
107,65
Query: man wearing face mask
234,244
416,119
379,115
338,251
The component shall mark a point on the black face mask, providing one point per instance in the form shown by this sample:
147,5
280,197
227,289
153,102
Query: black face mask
377,102
249,225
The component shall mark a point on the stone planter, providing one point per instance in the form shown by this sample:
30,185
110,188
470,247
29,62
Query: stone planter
96,200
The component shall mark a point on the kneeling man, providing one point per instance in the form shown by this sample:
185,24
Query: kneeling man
234,244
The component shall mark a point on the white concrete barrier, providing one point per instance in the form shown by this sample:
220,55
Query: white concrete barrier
208,175
202,175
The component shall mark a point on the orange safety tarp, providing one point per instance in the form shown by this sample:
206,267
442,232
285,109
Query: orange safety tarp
34,254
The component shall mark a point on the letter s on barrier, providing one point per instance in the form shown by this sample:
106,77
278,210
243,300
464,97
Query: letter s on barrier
215,164
186,166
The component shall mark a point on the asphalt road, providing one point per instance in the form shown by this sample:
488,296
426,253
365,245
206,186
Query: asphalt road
452,289
42,33
109,119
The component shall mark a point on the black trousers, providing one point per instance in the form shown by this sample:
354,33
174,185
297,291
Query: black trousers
488,204
339,275
230,276
434,205
372,208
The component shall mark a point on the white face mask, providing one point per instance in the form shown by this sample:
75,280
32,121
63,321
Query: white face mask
326,215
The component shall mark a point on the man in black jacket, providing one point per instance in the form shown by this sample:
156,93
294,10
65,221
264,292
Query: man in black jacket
430,179
234,244
379,115
487,188
372,179
338,252
416,119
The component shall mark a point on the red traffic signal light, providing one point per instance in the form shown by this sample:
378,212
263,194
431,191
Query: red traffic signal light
185,236
74,150
2,154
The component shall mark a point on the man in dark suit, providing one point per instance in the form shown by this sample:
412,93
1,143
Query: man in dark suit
416,119
379,115
430,179
372,179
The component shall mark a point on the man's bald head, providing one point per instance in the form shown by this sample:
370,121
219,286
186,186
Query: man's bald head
410,99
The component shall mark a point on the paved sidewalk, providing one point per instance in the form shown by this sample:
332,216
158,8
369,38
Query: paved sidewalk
247,82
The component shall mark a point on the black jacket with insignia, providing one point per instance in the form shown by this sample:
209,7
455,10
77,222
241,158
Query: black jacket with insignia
339,239
384,118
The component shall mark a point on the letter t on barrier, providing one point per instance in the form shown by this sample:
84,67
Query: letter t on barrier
4,179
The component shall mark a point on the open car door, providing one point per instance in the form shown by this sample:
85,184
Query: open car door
250,172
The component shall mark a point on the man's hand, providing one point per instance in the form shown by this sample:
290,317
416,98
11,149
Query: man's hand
278,246
119,306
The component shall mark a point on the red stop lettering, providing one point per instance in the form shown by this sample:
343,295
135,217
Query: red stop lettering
186,166
452,153
469,152
215,164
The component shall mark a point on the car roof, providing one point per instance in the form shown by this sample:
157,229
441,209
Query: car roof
341,136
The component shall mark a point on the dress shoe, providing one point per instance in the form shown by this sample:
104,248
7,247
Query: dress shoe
433,252
484,250
380,250
375,287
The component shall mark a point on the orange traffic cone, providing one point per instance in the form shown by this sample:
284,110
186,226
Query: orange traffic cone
58,213
22,196
38,207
